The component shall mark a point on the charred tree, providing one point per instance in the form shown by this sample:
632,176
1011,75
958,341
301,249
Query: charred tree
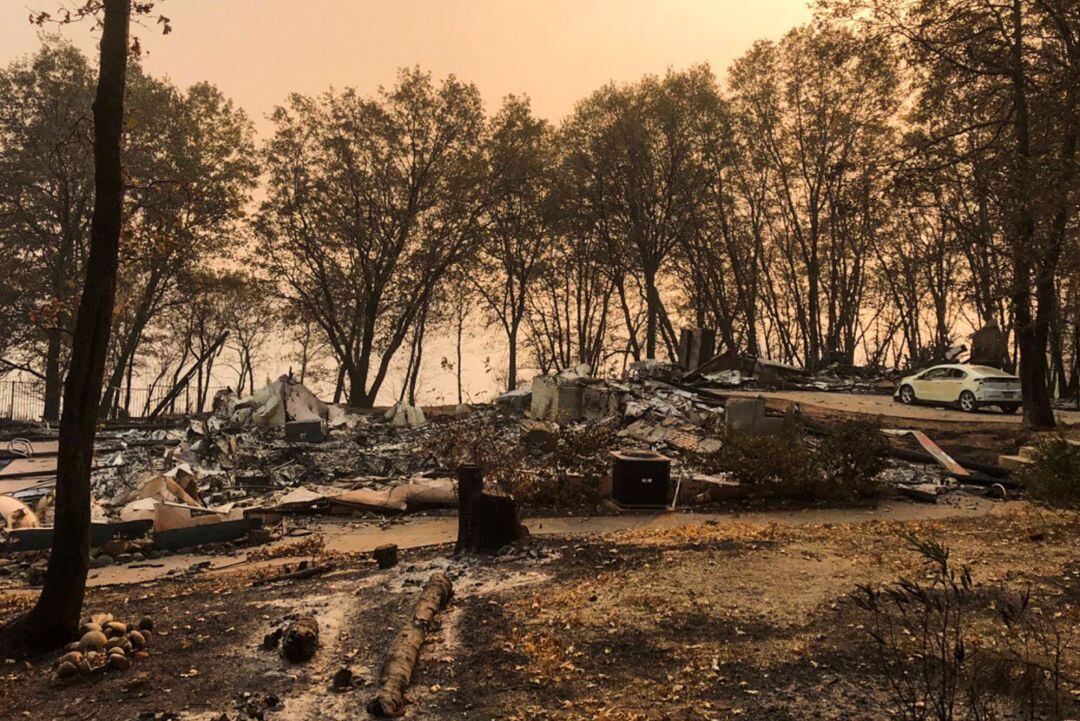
470,485
493,523
54,619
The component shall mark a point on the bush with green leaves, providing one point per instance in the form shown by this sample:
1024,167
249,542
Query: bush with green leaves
781,465
852,453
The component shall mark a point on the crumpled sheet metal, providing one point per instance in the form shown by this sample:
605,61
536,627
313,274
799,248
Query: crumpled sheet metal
404,415
411,496
281,400
170,516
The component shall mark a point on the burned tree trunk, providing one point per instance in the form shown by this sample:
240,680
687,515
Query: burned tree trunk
486,521
401,657
53,380
493,523
54,620
470,485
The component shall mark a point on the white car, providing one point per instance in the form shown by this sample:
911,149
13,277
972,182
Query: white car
968,387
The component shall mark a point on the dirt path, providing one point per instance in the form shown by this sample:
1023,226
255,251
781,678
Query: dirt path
414,533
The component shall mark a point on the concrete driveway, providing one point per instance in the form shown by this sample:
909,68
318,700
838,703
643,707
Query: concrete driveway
885,406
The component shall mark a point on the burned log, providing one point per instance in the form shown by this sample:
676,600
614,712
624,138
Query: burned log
404,651
301,639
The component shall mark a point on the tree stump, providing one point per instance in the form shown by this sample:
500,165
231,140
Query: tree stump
301,639
386,556
486,521
470,485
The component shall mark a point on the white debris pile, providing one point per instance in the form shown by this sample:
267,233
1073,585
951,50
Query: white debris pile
671,418
403,414
272,405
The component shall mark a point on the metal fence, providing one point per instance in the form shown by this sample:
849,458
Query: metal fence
22,400
25,401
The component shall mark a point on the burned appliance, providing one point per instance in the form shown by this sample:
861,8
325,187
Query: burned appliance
641,479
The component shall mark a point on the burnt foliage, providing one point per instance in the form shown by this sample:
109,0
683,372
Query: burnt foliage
950,650
838,466
1054,477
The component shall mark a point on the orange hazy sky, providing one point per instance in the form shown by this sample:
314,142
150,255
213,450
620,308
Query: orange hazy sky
555,51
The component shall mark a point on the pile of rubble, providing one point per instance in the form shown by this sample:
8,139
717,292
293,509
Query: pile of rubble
752,372
230,475
653,410
234,473
680,413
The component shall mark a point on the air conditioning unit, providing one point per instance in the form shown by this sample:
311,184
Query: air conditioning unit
641,479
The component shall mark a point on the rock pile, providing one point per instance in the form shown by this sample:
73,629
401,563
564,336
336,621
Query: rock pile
105,645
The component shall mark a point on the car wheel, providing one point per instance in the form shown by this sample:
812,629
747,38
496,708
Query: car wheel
907,395
1010,407
967,402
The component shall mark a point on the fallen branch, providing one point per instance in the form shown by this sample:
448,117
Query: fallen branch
181,384
308,572
400,660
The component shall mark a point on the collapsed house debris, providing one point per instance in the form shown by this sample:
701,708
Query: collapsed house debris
223,477
230,476
754,372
